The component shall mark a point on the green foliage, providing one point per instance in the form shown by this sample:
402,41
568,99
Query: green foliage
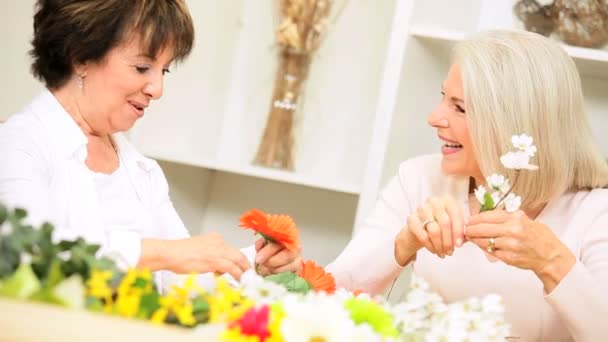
369,312
488,203
34,267
291,281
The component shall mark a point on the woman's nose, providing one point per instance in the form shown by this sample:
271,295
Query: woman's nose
154,88
437,118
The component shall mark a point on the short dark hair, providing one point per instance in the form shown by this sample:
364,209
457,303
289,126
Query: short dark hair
72,32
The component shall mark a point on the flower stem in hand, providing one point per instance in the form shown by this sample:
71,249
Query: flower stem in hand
508,191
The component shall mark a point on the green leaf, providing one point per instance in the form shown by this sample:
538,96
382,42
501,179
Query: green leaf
291,281
46,295
488,202
149,303
200,309
22,284
55,276
3,213
9,257
94,304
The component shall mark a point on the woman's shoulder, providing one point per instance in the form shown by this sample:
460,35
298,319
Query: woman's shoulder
23,131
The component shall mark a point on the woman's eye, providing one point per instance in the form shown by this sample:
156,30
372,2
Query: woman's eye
166,71
142,69
459,108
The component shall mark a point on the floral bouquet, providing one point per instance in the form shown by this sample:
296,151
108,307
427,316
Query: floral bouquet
283,307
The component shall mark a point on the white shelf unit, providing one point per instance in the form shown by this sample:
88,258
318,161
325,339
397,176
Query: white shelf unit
375,79
209,123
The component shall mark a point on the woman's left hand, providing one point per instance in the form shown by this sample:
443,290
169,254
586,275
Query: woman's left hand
522,242
274,258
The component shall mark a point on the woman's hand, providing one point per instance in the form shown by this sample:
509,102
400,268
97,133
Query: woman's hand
437,225
200,254
273,258
521,242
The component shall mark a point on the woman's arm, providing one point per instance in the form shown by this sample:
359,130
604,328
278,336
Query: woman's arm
368,262
580,297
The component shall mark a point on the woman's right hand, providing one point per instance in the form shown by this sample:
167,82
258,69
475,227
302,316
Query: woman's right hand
444,229
201,254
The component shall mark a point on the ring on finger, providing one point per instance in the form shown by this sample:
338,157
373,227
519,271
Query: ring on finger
491,245
425,223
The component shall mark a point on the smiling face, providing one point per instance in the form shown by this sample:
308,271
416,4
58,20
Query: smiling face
449,118
117,90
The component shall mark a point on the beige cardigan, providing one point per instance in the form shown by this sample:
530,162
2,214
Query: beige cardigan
577,309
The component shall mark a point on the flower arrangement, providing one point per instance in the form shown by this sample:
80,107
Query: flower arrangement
282,307
501,191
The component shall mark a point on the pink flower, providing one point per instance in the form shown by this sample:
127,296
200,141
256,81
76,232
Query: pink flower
254,323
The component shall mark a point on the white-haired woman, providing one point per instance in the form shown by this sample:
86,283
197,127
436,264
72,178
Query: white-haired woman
549,260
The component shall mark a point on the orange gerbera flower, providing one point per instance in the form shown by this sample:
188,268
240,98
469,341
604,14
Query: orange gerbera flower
275,228
317,277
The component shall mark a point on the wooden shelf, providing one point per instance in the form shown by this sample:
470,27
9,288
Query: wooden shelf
591,62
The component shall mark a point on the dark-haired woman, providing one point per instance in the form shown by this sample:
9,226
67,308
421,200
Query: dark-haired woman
65,159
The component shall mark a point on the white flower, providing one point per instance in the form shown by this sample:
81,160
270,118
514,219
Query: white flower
26,258
480,193
517,160
496,182
365,333
259,290
71,292
523,143
6,229
315,318
512,202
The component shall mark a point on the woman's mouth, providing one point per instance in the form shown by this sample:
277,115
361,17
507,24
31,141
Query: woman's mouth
450,147
137,108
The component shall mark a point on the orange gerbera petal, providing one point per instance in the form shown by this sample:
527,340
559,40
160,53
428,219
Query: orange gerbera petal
317,277
278,228
254,219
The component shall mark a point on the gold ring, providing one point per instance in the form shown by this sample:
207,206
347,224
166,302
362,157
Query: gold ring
491,245
425,223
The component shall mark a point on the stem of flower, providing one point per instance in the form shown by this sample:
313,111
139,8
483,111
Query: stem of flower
509,191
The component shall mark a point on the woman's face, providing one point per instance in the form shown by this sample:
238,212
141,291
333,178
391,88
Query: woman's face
449,118
118,89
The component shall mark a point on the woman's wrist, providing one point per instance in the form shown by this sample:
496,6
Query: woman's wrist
556,268
405,247
154,254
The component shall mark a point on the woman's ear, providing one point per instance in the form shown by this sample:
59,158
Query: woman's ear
81,69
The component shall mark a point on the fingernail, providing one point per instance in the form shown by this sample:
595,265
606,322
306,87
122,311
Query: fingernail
459,242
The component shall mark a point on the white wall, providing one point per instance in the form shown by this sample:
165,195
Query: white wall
17,85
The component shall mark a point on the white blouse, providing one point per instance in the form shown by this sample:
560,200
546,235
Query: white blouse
576,309
43,170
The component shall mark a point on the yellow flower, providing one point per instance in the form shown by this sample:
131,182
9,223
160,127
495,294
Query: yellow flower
128,304
129,295
159,316
184,314
227,304
234,335
97,286
178,302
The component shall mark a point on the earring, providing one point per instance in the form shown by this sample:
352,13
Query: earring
80,82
